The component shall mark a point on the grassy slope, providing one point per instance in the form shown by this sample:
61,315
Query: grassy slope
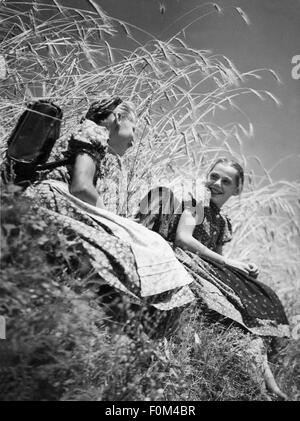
62,345
53,321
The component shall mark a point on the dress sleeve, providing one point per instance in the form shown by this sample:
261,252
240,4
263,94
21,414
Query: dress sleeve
226,231
88,138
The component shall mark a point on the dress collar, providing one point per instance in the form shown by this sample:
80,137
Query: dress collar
214,207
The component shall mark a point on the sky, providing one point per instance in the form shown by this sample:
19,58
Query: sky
270,41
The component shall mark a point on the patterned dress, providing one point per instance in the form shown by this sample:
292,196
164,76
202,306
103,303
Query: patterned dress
224,291
112,257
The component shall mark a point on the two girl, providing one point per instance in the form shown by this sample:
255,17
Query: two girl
123,252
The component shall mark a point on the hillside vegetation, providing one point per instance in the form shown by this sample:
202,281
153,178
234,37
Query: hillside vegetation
63,342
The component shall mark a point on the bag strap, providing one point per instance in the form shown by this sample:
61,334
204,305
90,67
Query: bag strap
54,164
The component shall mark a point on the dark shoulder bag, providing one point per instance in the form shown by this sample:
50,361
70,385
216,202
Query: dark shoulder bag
31,142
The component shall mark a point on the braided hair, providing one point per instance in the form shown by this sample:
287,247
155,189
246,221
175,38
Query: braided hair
100,110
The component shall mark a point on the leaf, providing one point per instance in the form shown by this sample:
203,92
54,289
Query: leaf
98,10
3,68
125,28
59,7
218,8
110,54
179,40
273,97
243,15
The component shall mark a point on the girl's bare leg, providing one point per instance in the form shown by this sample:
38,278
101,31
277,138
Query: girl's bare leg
261,370
270,380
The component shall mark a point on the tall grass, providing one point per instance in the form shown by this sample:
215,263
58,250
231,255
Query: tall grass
179,92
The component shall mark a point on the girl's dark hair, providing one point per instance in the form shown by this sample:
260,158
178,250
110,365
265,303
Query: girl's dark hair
100,110
239,169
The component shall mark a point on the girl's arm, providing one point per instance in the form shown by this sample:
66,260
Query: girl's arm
185,240
82,185
184,236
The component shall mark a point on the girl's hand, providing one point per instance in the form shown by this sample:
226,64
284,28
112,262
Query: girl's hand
253,270
249,269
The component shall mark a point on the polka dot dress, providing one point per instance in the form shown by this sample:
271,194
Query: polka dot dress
241,298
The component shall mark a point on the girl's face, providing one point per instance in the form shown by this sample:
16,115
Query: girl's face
222,183
121,134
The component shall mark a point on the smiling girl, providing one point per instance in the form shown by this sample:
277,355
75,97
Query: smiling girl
225,179
227,287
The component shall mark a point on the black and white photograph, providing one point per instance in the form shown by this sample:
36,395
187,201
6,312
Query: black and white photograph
150,203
